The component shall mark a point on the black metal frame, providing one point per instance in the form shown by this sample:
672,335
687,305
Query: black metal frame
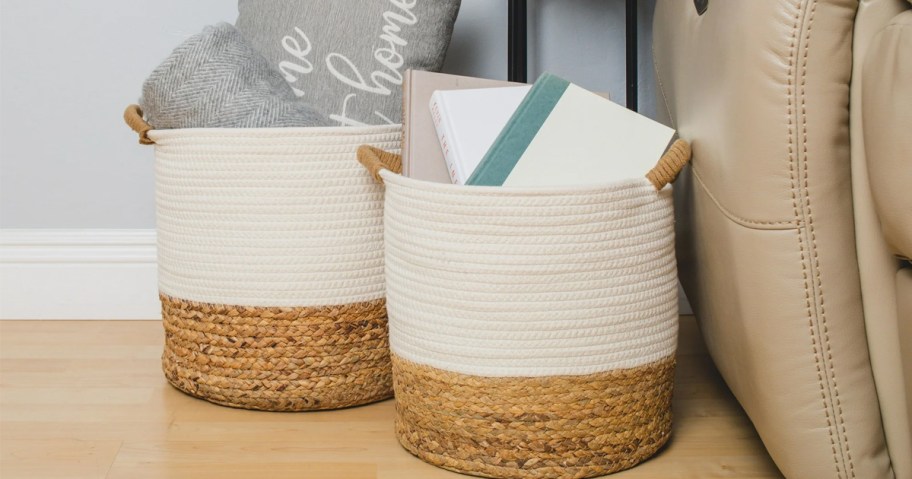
517,46
517,41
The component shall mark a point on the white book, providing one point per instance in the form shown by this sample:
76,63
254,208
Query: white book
422,157
563,135
468,122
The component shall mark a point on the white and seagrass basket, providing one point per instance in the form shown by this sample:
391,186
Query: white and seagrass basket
270,254
533,331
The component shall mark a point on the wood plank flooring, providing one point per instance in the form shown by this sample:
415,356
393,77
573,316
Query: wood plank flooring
87,399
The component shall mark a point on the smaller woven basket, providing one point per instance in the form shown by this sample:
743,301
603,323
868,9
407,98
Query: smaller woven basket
533,331
270,255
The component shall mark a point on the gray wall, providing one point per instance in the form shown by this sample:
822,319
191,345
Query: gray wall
67,70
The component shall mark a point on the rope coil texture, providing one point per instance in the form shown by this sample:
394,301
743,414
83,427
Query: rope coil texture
269,217
533,331
270,251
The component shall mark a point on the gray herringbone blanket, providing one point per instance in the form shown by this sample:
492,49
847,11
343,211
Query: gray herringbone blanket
215,79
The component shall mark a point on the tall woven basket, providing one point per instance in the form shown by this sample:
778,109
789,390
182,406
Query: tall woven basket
533,331
270,254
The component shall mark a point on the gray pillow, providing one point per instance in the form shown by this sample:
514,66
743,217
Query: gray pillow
348,57
215,79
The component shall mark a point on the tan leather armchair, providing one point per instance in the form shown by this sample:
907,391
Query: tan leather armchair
795,218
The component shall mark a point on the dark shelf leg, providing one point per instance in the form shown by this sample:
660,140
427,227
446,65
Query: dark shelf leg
517,39
632,54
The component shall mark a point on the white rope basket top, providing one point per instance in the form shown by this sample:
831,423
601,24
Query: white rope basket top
269,216
495,281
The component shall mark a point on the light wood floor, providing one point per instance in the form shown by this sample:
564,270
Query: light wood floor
87,399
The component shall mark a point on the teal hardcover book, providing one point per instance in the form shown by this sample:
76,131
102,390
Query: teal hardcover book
564,135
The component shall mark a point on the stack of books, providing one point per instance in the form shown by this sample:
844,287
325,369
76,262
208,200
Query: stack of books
473,131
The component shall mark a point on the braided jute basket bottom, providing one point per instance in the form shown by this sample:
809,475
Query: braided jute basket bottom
278,359
543,427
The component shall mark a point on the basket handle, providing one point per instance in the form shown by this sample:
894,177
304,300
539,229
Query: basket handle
671,163
133,115
663,173
375,159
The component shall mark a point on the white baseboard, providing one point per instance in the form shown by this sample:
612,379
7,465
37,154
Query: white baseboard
78,274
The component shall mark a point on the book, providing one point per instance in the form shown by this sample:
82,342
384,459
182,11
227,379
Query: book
468,122
422,157
563,135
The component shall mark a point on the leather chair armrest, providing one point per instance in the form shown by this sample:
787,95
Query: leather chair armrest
887,110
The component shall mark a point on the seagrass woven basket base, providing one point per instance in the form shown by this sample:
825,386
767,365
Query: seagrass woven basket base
278,359
544,427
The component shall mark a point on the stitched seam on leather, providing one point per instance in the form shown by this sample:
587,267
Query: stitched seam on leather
747,223
792,140
658,75
835,402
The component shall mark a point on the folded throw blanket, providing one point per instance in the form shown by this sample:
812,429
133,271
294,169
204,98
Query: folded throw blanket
216,79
